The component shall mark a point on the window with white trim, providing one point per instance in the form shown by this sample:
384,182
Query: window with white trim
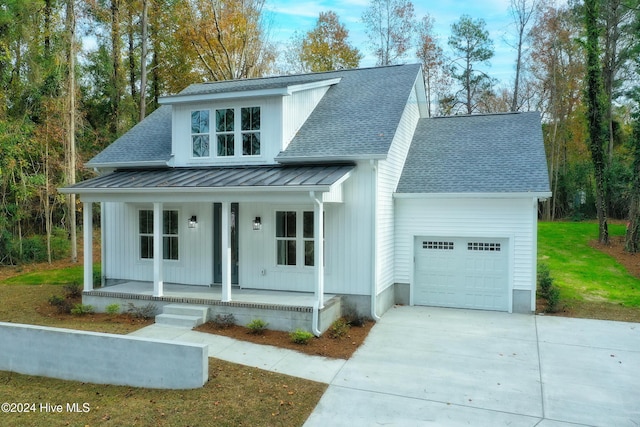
483,246
237,132
169,234
307,238
250,129
295,238
200,133
430,244
286,237
225,125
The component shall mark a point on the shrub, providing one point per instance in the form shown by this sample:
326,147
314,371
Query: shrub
553,299
545,281
82,309
34,249
113,309
352,317
63,306
144,312
547,289
300,336
97,279
339,328
224,321
257,326
72,290
60,243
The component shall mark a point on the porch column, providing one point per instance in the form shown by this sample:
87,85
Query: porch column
158,285
87,228
318,248
226,251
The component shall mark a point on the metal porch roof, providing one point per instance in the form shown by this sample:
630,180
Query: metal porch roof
271,177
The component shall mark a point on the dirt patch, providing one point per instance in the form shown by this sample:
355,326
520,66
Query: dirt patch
615,248
337,348
600,310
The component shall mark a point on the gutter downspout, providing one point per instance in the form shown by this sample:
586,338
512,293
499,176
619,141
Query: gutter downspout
374,247
318,261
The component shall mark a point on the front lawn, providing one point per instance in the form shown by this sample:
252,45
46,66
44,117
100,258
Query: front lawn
588,278
234,395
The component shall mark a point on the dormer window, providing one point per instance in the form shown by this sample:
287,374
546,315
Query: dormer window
200,133
250,131
237,130
225,124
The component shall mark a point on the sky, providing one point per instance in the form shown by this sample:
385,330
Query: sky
287,16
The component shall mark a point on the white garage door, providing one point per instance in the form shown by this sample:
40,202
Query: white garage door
461,272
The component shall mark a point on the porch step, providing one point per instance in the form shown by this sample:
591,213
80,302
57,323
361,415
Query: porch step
187,316
180,320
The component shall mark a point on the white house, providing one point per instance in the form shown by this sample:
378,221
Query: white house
335,186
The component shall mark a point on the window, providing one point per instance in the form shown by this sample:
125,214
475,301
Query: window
481,246
250,131
286,238
437,245
169,234
225,125
307,238
237,130
200,133
295,229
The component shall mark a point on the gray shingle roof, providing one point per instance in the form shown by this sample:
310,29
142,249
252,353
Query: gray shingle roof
496,153
229,86
259,177
357,117
148,141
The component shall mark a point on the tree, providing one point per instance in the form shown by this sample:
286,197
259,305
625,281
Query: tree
144,23
228,39
619,37
431,56
557,70
389,25
471,45
595,111
632,237
325,48
522,12
71,122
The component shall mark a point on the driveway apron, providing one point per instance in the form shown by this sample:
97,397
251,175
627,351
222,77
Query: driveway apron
449,367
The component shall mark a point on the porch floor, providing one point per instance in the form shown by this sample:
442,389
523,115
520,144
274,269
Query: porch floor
209,295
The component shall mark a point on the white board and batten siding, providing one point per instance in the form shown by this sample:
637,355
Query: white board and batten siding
347,243
270,132
296,108
509,222
122,244
389,171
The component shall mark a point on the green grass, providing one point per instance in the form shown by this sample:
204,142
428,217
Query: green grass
52,277
581,272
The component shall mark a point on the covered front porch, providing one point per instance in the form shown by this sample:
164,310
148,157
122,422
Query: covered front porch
261,227
280,309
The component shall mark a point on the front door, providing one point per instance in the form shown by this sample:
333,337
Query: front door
217,242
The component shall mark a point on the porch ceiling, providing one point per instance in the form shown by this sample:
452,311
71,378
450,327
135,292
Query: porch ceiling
272,178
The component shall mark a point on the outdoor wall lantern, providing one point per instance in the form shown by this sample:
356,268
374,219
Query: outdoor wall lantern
257,223
193,222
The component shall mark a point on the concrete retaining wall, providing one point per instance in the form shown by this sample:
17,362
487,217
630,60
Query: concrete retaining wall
102,358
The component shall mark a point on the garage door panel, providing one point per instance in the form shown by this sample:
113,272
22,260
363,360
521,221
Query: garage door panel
461,272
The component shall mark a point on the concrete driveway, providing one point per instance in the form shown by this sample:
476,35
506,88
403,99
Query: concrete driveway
447,367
